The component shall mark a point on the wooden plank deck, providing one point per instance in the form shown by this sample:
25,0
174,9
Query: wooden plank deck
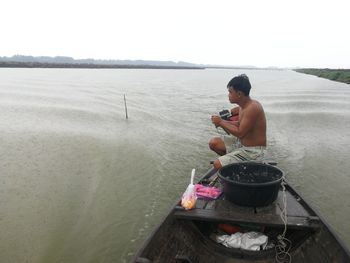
222,210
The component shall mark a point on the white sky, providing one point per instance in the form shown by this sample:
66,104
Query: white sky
285,33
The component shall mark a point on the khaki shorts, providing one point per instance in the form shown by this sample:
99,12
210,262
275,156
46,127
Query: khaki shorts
239,153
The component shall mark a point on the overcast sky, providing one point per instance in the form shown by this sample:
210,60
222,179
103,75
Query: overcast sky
291,33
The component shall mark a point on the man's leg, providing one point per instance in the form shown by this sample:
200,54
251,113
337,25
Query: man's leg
217,164
217,145
238,155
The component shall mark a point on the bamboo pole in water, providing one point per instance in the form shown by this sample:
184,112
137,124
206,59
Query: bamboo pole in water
126,109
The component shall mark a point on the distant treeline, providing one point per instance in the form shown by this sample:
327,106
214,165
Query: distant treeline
341,75
12,64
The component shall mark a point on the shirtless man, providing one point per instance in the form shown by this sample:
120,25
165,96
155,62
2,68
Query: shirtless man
247,139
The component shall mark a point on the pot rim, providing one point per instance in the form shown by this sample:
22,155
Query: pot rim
251,184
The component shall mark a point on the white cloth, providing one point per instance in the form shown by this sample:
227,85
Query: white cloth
248,241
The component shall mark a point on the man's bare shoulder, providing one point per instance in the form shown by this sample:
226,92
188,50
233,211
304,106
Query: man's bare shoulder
255,106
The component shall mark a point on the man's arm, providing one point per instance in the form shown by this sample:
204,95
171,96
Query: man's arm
235,111
235,123
246,124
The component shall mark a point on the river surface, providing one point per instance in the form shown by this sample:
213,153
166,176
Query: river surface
80,183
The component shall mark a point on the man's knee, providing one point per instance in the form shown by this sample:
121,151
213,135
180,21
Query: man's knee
212,143
215,143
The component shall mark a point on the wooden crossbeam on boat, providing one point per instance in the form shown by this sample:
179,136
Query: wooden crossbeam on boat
225,211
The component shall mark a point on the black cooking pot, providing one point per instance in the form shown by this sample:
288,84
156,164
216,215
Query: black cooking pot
250,184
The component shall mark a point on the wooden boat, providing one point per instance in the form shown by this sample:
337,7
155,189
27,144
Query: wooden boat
186,235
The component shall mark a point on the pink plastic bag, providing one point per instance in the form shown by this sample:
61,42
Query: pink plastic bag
207,191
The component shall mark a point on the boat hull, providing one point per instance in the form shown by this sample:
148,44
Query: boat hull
187,236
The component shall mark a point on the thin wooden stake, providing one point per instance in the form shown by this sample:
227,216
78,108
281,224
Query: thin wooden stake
126,109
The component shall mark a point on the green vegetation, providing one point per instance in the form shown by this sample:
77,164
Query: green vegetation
12,64
341,75
20,61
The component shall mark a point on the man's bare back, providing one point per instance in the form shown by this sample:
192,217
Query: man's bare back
250,128
254,117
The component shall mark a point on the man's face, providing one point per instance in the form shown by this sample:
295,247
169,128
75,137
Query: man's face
233,95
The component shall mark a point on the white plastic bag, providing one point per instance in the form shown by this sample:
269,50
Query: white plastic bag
233,240
189,197
248,241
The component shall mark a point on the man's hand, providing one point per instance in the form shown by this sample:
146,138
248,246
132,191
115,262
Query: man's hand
216,120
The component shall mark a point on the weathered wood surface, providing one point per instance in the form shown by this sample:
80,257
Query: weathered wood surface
225,211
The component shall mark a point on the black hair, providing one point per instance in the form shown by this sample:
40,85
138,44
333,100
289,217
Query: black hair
240,83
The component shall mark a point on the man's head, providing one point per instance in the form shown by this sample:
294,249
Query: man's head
240,83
